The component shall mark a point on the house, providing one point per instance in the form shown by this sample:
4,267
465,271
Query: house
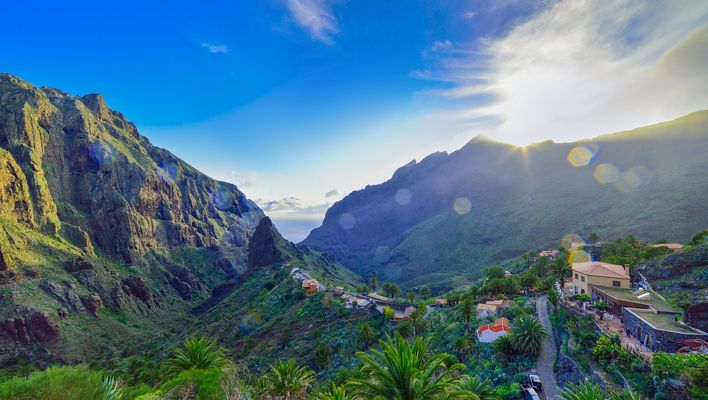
491,307
659,331
311,286
491,332
618,298
441,302
377,297
355,301
549,253
597,273
507,274
674,247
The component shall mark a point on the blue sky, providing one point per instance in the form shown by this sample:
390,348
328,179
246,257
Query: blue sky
302,101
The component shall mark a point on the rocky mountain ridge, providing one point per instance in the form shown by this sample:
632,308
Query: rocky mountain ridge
452,214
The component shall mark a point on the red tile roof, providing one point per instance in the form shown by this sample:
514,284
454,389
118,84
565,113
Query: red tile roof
599,268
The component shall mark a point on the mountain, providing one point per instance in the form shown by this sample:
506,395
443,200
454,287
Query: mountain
452,214
109,244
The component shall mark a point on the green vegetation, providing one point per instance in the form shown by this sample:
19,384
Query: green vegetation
527,334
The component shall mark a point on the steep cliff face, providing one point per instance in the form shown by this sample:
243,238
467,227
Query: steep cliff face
85,166
106,241
455,213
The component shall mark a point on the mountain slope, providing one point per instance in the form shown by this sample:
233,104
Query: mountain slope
109,245
454,213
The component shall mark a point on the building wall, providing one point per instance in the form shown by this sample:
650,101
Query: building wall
582,286
656,340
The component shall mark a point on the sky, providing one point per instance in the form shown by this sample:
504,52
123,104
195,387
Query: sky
300,102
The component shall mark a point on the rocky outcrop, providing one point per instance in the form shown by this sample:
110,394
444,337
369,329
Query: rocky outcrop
79,264
74,161
63,295
33,327
136,287
267,246
93,303
183,281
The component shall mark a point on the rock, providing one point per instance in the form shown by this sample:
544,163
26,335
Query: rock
268,247
78,237
79,264
33,327
5,261
92,303
183,281
63,296
227,266
136,287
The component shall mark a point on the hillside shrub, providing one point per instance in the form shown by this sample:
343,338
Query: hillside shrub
56,383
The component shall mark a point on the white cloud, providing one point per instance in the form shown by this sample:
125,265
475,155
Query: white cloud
215,48
314,16
440,45
581,68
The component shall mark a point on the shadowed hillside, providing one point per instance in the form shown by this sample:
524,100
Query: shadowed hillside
454,213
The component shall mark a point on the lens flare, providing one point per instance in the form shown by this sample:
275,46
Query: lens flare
577,256
606,173
347,221
403,197
462,205
580,156
101,153
167,172
572,241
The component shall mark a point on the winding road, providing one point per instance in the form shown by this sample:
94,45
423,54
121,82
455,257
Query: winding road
544,365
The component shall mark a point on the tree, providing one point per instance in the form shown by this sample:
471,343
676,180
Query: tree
464,345
373,283
606,349
334,393
323,356
553,298
527,334
425,292
367,333
389,313
405,328
528,280
468,312
410,296
417,318
561,268
287,381
481,388
593,238
201,353
458,281
504,346
400,370
582,391
391,289
494,272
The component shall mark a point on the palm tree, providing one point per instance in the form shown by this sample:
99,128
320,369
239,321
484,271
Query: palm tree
199,353
404,371
287,381
582,391
481,388
527,334
464,345
334,393
504,346
553,298
367,333
410,296
468,311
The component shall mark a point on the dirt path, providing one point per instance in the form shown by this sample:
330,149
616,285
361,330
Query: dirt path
544,365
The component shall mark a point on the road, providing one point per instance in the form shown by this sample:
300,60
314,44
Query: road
544,365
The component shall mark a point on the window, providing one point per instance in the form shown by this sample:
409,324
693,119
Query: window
616,283
582,291
576,276
582,279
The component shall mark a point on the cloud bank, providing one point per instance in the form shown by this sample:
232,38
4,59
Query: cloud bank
577,69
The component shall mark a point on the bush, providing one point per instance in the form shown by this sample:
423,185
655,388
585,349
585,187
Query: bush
56,383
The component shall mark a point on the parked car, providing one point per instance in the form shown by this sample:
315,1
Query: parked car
535,382
530,393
